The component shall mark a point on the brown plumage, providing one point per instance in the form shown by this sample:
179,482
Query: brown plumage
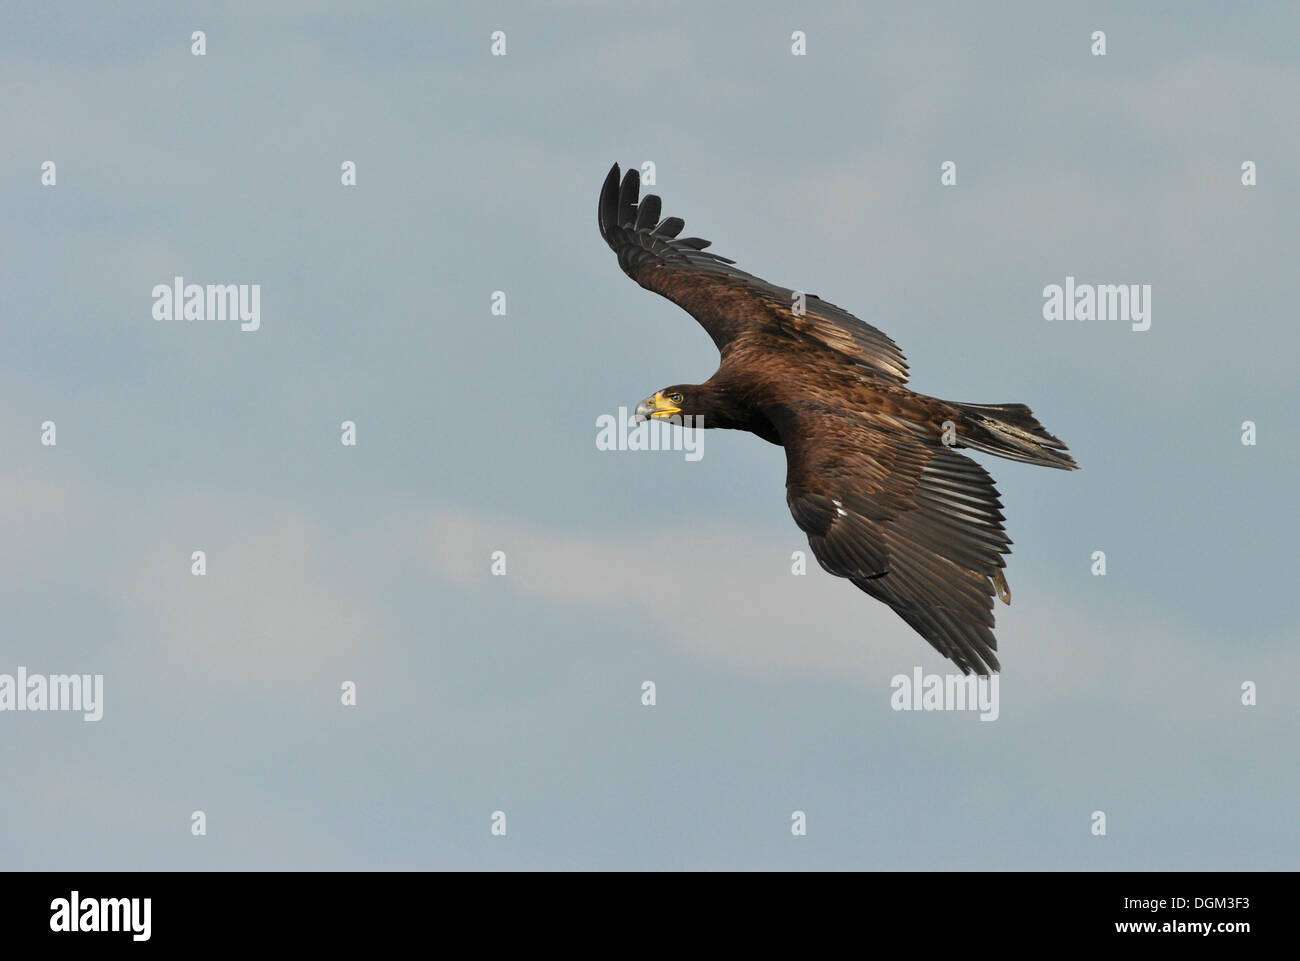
885,502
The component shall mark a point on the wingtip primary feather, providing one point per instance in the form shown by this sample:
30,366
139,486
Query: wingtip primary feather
607,209
628,193
647,212
670,228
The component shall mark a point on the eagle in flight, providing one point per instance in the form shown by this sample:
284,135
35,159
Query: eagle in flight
872,475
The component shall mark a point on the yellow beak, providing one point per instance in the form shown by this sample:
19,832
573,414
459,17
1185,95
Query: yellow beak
657,407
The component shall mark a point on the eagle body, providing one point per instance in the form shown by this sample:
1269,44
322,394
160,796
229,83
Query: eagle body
873,474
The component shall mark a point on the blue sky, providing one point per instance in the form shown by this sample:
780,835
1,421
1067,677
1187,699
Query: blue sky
476,433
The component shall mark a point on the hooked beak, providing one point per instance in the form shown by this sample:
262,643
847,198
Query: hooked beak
657,407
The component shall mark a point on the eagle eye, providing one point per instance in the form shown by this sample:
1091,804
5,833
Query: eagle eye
676,398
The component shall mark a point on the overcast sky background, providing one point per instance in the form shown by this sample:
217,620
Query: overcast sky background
477,433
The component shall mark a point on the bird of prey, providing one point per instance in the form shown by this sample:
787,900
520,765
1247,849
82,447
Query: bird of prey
873,477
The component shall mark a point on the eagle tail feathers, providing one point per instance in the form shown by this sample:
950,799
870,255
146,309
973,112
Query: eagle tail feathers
1011,431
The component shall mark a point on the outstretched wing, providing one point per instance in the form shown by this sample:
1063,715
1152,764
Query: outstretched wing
725,300
909,521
